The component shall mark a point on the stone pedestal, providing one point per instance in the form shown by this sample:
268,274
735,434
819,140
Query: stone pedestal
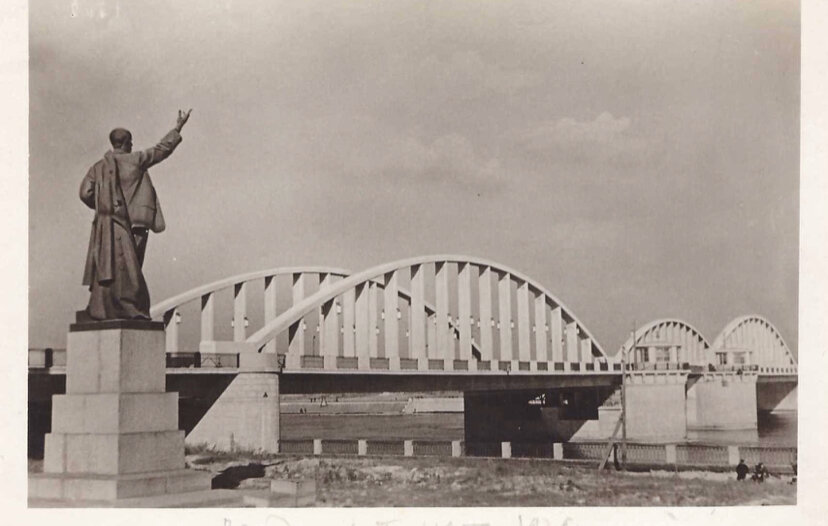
115,432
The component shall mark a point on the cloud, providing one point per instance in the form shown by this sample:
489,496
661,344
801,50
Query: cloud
601,139
450,157
362,147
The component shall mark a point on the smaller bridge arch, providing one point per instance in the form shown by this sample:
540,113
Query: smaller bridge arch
667,344
301,279
753,340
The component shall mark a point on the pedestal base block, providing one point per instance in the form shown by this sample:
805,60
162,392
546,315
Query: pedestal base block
113,454
94,487
114,412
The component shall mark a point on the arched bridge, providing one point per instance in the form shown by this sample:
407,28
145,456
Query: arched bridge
445,323
428,314
753,341
748,343
667,344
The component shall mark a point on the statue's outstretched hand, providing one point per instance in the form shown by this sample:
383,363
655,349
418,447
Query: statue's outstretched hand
183,117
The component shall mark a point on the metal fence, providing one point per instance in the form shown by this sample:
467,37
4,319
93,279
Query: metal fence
385,447
432,448
704,455
583,450
532,450
340,447
700,454
302,447
770,456
483,449
646,453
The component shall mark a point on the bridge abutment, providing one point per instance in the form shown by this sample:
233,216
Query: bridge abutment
245,416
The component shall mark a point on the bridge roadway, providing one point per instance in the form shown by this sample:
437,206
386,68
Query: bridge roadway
184,368
215,394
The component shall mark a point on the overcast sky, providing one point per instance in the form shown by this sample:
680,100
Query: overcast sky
639,160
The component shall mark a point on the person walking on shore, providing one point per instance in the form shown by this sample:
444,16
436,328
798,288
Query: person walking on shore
742,470
760,473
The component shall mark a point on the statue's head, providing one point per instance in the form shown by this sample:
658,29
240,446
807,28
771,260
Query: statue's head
121,139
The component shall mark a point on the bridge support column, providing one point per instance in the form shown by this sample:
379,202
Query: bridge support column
246,414
722,401
656,406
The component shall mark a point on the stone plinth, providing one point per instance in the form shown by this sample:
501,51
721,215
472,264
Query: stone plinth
115,432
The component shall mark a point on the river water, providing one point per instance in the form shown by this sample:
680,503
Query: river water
774,429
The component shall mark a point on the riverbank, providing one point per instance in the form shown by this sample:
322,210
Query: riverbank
450,482
474,482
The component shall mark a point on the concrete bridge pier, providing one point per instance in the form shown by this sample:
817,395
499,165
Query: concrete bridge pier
655,405
722,401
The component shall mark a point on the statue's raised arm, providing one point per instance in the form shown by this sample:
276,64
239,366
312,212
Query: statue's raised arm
183,117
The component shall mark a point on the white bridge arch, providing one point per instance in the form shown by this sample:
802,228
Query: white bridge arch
667,344
753,340
301,278
543,331
427,313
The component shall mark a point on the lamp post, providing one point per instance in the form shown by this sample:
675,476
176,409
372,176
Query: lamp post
624,408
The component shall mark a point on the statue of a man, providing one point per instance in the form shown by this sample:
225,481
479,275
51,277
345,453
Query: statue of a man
120,191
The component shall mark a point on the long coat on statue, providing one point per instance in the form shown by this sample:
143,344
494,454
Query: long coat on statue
113,271
119,189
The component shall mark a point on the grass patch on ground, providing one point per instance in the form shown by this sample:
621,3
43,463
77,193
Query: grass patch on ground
207,454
